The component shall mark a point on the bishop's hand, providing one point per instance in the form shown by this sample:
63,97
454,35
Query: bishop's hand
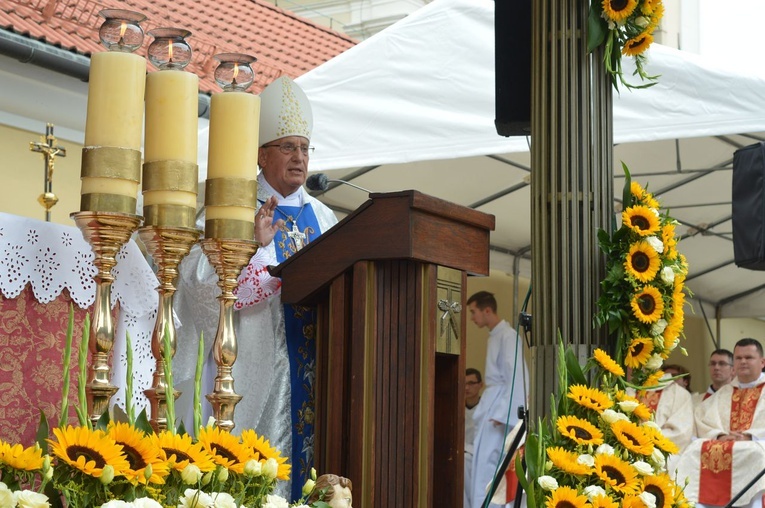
265,227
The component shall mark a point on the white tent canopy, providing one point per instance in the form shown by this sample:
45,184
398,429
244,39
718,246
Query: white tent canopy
423,89
413,107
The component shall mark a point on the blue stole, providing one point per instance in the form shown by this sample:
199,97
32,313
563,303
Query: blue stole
299,323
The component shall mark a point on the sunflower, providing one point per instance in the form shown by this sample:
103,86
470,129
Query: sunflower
590,397
647,305
580,431
566,461
616,473
608,363
637,45
88,450
603,502
641,219
661,486
653,379
225,449
668,239
632,437
179,450
637,191
632,501
648,6
638,352
656,15
642,262
660,441
618,10
20,458
141,452
566,497
263,451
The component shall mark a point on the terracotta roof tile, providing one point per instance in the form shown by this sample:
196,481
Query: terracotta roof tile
282,42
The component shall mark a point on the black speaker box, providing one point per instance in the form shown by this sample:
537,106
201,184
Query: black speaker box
512,67
749,207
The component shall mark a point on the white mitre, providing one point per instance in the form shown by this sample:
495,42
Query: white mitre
284,111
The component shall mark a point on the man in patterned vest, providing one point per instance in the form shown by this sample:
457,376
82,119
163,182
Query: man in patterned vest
730,424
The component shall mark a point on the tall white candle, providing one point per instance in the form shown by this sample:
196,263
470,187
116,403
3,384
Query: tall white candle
115,100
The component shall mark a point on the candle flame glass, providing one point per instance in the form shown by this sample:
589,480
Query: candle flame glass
120,30
234,73
169,50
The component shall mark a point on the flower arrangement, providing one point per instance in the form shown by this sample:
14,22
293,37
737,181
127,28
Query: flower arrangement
643,293
600,447
626,28
126,464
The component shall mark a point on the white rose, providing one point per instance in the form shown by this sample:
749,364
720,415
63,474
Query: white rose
223,475
223,500
604,449
253,468
146,502
656,243
648,499
274,501
586,460
270,468
667,275
611,416
593,491
654,362
642,21
658,458
547,482
193,498
628,406
644,468
652,424
6,496
658,327
191,474
114,503
30,499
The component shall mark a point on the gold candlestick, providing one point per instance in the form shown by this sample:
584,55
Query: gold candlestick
228,257
167,246
106,232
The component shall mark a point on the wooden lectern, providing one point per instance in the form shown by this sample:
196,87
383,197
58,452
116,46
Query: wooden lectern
388,282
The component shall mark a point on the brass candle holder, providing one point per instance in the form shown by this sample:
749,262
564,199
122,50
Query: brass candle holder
106,232
167,246
228,256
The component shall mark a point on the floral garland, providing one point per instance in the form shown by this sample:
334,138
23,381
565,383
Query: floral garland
600,447
643,293
626,28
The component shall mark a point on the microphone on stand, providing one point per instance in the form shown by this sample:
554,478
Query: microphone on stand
320,182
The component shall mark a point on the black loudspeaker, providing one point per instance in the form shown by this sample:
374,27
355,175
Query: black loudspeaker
512,66
749,207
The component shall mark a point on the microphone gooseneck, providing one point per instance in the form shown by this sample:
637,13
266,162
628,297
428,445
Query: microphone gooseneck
320,182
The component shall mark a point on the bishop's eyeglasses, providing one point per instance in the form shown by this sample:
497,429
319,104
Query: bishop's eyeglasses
289,148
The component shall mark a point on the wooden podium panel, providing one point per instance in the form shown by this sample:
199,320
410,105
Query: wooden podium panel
389,285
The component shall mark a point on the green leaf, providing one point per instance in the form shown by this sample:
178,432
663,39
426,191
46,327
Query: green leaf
574,369
532,455
522,480
43,431
627,191
142,423
103,421
597,28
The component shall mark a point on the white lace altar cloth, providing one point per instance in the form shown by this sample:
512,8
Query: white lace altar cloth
51,257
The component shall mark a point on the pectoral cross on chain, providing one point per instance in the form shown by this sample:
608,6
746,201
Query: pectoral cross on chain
296,236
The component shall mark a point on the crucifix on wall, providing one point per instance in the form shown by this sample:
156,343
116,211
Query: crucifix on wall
49,150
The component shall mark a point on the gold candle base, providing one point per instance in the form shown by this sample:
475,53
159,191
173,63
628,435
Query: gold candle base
228,257
167,246
106,232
